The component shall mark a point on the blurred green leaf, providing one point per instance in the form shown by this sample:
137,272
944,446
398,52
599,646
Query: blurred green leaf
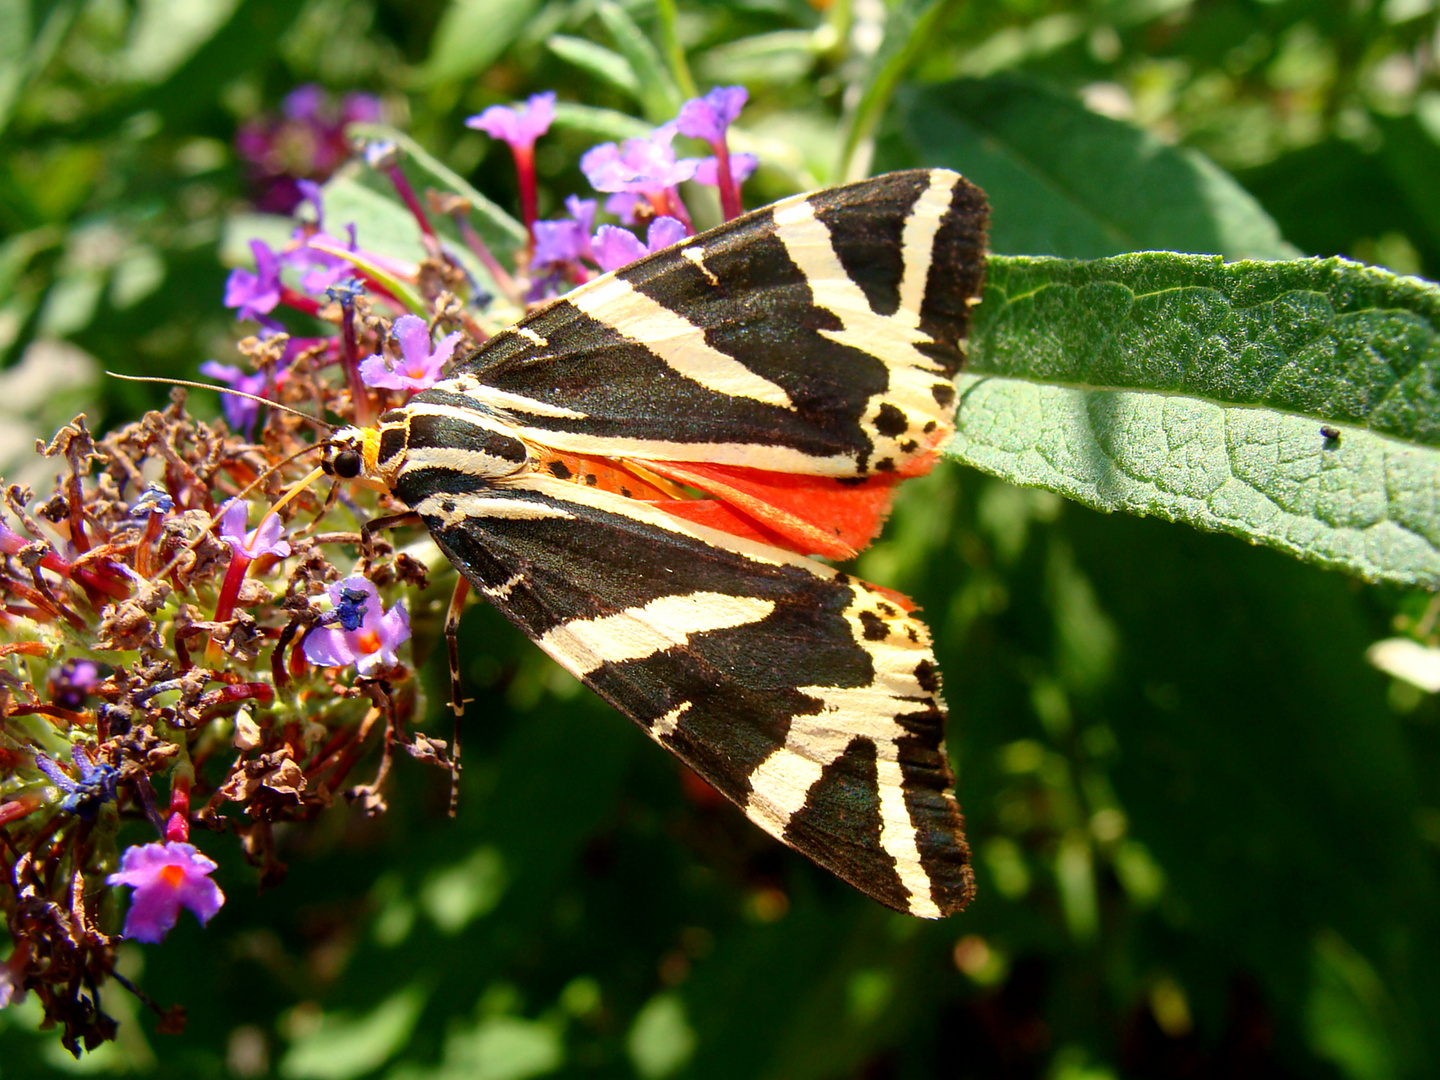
1194,390
496,227
343,1046
497,1048
658,93
1351,1019
470,36
25,51
911,27
661,1039
454,896
1063,180
597,61
166,33
608,124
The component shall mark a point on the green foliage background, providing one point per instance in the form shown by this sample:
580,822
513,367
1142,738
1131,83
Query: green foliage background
1207,832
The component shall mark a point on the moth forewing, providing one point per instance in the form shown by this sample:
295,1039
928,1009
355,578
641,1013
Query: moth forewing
792,365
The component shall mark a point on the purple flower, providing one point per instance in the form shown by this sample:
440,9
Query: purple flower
359,107
71,683
615,247
644,166
166,877
518,125
321,269
707,117
376,634
240,413
305,102
419,366
85,796
707,170
263,540
628,207
255,294
311,192
565,240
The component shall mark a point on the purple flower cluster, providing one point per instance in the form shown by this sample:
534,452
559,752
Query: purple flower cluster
305,142
641,178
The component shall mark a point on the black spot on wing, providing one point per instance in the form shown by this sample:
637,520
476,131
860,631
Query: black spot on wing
840,824
559,470
927,676
890,421
873,626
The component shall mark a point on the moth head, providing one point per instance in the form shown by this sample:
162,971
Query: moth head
352,453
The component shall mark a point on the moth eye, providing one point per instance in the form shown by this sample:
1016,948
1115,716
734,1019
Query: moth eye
347,464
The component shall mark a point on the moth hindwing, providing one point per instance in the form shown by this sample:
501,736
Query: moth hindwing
638,474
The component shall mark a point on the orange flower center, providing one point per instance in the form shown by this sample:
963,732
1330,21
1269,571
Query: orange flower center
172,875
369,642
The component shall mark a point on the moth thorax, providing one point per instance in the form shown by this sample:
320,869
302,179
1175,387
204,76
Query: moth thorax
425,436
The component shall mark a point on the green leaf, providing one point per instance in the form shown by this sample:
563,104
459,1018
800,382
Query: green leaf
471,35
660,96
911,27
1063,180
497,228
342,1046
21,54
601,123
1195,390
596,60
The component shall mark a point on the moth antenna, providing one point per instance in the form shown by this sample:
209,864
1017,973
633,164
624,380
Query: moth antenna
328,428
295,489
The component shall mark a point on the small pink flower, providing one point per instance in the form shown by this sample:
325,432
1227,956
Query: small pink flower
419,365
708,117
368,635
255,294
616,247
741,168
166,877
264,540
518,125
643,166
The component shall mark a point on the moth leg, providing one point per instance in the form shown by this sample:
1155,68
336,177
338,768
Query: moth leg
452,626
374,525
457,703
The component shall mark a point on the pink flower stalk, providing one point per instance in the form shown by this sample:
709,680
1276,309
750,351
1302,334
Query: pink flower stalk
520,126
420,363
246,548
367,636
166,877
709,118
615,247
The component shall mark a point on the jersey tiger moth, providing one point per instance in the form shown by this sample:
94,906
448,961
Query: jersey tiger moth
638,475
